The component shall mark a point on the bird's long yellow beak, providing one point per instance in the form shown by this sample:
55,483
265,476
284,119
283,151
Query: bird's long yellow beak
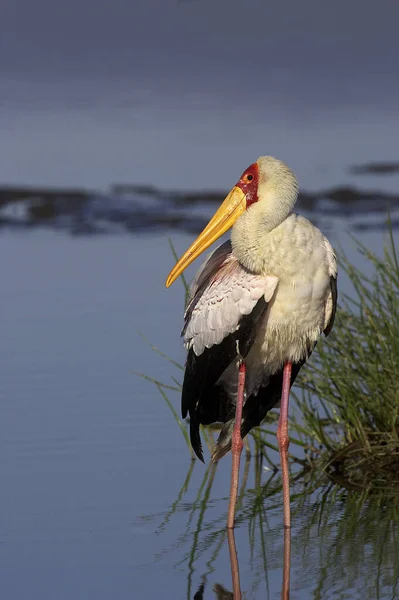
231,208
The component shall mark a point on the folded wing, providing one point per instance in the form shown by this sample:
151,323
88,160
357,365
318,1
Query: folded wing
221,321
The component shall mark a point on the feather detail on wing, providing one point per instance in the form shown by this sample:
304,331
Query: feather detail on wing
223,314
331,302
223,292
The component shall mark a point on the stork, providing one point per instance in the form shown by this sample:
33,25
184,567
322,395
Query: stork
256,309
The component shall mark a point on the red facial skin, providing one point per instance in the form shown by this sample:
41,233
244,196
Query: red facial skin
248,183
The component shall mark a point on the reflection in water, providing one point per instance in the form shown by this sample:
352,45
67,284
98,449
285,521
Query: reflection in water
343,542
235,571
210,536
285,594
221,592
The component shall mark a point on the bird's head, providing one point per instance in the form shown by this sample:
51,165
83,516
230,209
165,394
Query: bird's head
267,186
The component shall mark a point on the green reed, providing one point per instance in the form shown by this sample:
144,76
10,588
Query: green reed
346,418
348,405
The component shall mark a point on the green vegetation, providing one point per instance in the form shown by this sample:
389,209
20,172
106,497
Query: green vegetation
344,431
345,420
348,412
344,542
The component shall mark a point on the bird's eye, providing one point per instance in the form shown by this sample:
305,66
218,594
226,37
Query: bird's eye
249,177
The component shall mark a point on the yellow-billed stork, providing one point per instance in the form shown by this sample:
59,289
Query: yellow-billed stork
256,310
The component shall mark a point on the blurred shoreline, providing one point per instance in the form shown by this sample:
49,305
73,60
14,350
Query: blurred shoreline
144,208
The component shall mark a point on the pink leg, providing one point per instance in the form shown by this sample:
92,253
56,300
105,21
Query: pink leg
283,441
285,591
236,446
235,571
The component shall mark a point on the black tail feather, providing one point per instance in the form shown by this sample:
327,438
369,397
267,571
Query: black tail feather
195,437
213,405
201,397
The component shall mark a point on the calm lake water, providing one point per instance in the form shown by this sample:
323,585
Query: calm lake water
95,500
99,499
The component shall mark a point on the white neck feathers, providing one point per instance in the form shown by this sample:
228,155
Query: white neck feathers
277,194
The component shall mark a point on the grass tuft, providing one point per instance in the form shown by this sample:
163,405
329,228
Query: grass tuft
349,405
347,418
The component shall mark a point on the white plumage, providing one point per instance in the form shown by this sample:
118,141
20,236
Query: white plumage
296,286
265,296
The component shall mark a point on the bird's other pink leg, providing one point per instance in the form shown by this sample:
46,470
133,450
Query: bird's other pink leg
236,446
283,441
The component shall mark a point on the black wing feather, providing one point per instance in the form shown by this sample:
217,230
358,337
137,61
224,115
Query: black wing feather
205,402
334,292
